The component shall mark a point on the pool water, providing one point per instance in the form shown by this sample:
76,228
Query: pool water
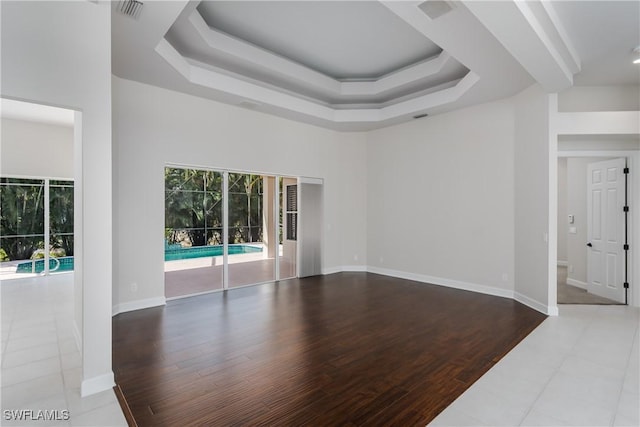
171,254
66,264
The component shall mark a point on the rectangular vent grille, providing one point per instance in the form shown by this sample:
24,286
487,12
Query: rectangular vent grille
130,8
436,8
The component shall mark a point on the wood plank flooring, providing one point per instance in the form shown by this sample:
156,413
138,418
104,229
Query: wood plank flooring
345,349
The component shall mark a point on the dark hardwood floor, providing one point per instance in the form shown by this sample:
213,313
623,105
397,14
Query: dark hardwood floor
344,349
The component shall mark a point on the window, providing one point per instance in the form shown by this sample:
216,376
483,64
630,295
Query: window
292,212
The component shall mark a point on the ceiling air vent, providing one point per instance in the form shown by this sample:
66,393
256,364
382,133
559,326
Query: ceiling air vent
130,8
436,8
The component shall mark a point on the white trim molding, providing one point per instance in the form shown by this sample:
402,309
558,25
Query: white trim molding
138,305
440,281
344,269
97,384
536,305
450,283
576,283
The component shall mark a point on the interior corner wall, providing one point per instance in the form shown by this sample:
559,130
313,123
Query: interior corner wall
440,199
154,127
532,197
33,149
59,53
563,225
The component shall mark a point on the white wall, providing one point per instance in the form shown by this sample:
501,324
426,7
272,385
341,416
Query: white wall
154,126
36,149
59,53
563,225
532,212
599,98
440,199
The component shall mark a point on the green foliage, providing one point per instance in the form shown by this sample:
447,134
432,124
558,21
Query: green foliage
56,253
3,255
22,216
193,207
61,218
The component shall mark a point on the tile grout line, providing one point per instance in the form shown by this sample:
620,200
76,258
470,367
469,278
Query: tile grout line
6,343
64,381
626,368
557,369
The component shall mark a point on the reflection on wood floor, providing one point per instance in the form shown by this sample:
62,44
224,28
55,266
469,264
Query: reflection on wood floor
188,277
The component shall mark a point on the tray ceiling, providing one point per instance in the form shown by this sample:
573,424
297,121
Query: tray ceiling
349,65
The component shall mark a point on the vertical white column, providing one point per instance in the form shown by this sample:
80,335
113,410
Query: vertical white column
225,230
47,232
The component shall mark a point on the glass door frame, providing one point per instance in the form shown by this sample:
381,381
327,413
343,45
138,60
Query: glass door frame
225,217
46,182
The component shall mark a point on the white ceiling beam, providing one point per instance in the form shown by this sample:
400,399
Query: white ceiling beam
529,35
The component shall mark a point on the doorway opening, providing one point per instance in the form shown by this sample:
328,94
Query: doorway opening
36,190
592,230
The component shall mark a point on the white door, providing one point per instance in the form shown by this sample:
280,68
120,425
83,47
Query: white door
605,229
310,228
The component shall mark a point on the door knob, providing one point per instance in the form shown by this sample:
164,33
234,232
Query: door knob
589,244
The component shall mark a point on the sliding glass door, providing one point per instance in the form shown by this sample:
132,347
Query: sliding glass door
250,229
226,229
36,227
193,250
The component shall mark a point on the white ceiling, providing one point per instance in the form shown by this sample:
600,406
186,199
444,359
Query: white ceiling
329,37
356,65
604,34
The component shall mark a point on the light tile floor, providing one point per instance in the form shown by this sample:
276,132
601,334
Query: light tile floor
41,364
578,369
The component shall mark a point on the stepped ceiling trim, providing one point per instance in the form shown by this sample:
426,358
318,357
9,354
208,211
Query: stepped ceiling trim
473,52
253,92
219,41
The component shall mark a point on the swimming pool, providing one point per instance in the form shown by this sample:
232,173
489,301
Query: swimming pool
172,254
66,264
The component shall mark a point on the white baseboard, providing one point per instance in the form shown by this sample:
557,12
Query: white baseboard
439,281
536,305
97,384
344,268
138,305
450,283
563,263
576,283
